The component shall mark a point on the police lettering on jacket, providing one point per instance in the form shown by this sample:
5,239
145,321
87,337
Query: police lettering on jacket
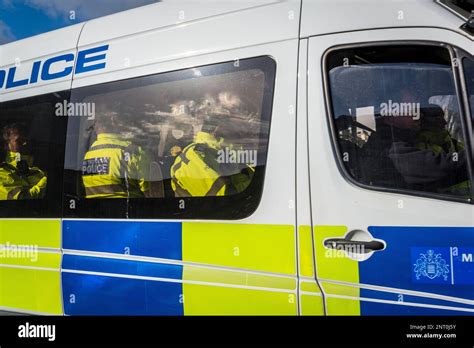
96,166
54,68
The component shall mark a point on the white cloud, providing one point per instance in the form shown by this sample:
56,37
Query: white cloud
6,34
83,9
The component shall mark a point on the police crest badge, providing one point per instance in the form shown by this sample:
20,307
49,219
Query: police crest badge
431,265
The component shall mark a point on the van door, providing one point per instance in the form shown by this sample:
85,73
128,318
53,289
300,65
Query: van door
390,160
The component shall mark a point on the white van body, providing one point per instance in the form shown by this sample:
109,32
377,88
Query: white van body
281,266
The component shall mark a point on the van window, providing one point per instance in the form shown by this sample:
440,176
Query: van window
188,143
31,156
396,118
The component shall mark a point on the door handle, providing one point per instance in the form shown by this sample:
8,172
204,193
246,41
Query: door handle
357,244
342,243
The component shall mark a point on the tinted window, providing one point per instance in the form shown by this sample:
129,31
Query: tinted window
189,143
397,120
32,156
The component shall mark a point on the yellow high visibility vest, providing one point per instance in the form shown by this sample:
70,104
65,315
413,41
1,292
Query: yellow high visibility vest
115,168
13,185
196,171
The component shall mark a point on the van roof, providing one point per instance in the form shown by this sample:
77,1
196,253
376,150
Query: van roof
319,17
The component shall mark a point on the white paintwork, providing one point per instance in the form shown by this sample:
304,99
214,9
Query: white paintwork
23,53
206,30
332,16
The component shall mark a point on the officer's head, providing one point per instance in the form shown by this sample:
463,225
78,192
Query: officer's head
402,122
108,122
432,118
15,136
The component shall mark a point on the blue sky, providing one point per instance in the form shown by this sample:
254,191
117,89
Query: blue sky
24,18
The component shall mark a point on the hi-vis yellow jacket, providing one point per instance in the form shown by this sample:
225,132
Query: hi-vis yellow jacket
196,171
15,184
115,168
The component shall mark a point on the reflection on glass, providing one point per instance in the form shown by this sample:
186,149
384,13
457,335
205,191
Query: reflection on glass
398,120
159,137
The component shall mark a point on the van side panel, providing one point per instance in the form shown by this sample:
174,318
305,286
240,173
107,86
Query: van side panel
174,268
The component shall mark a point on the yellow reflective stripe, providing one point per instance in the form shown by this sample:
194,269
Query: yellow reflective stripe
221,300
216,186
183,157
219,276
30,258
108,147
40,233
31,290
305,251
104,189
178,162
311,305
309,287
195,175
268,248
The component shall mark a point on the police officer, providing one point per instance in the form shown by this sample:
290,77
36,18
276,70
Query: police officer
197,171
18,178
114,167
434,160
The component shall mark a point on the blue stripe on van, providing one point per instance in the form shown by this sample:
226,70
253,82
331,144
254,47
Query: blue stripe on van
398,265
85,294
141,238
117,266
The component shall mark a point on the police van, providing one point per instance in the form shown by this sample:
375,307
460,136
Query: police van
263,157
